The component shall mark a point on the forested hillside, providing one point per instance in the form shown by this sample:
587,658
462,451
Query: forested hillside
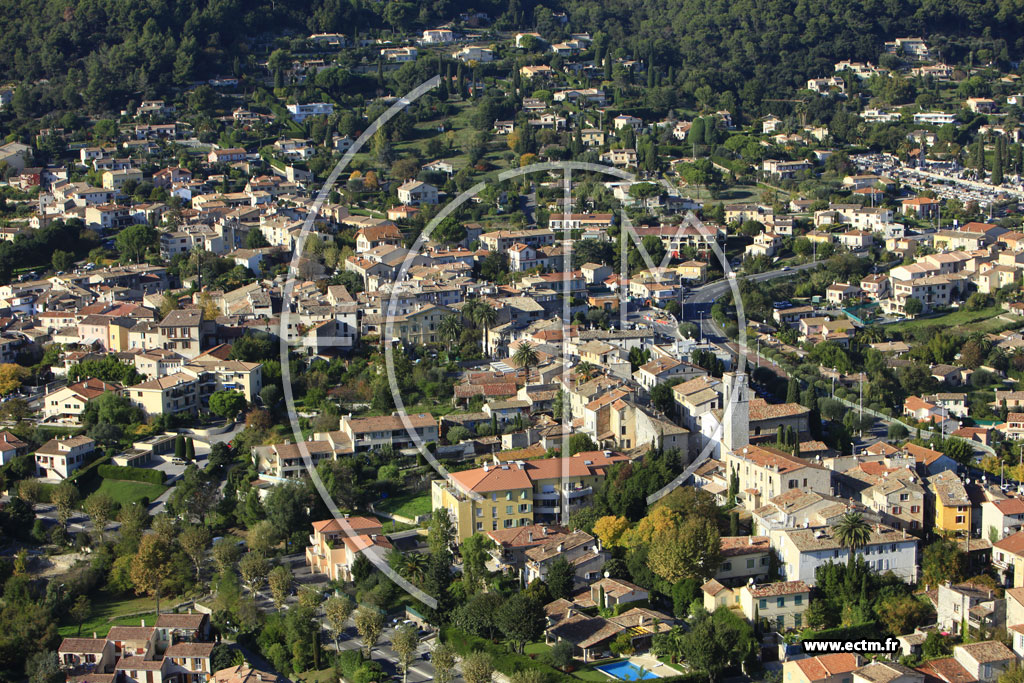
768,48
98,54
105,51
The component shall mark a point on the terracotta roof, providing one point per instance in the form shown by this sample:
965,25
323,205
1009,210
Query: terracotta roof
122,633
766,590
90,645
244,674
1010,506
137,663
744,545
184,649
882,672
519,537
385,423
762,410
824,666
712,587
517,476
359,525
192,621
947,670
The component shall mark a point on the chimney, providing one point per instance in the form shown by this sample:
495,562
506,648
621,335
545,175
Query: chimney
529,536
95,635
561,548
143,620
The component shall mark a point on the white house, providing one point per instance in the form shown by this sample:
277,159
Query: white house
802,551
415,192
301,112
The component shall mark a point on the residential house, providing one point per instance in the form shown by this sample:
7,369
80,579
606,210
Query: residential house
952,504
520,493
58,458
581,549
415,192
830,668
744,558
985,660
802,551
972,606
1001,518
334,544
67,403
780,604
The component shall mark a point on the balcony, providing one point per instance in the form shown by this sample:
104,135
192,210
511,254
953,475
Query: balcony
577,492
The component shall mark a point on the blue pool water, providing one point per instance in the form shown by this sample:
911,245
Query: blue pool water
627,671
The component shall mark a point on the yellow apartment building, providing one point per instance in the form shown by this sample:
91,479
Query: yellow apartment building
516,494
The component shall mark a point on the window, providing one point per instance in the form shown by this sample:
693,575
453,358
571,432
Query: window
763,604
914,509
726,566
508,509
959,519
797,620
904,496
798,600
479,526
750,563
781,621
895,509
780,602
793,483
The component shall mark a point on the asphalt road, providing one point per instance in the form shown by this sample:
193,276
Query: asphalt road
713,291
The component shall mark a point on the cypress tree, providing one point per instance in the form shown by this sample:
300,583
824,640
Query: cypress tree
179,447
997,167
190,449
793,391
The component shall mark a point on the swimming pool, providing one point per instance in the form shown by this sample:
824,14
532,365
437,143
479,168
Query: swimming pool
627,671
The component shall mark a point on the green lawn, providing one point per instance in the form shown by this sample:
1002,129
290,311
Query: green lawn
410,505
983,320
109,610
314,676
540,649
130,491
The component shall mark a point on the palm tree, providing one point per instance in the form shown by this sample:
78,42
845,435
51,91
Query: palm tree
585,371
525,357
450,327
852,532
410,566
485,317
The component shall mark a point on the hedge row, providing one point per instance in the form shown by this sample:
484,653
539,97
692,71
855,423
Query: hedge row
84,475
149,476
